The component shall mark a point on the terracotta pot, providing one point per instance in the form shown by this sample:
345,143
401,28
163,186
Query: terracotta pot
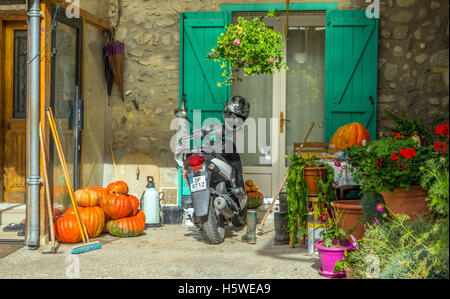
410,202
348,272
311,174
352,215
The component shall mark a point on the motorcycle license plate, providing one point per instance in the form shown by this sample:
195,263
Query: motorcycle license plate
198,183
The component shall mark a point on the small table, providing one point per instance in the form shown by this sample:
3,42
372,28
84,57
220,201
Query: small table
343,178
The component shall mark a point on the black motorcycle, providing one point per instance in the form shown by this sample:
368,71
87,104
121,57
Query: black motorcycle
214,177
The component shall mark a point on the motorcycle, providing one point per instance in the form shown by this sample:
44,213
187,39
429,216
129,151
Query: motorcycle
214,178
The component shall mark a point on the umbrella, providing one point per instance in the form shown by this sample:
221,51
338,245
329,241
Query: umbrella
114,53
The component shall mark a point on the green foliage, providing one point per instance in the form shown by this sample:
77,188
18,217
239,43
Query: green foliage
369,203
380,165
297,193
334,235
251,46
435,179
402,248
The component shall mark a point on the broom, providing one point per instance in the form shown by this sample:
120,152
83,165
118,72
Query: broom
87,246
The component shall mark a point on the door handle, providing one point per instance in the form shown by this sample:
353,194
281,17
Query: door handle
282,122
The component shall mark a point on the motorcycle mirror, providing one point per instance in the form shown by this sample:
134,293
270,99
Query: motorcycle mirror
180,113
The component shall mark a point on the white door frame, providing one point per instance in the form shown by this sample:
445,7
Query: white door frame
278,168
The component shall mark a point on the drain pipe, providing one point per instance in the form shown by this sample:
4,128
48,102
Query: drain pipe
34,180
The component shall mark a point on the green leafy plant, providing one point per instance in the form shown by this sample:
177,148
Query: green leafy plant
251,46
371,203
408,126
333,235
435,173
401,248
297,193
388,163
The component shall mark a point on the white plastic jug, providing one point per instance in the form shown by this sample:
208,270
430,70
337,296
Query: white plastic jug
151,204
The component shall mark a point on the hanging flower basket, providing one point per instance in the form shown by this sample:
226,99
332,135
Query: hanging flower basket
251,46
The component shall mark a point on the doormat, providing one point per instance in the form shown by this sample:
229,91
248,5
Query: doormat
7,249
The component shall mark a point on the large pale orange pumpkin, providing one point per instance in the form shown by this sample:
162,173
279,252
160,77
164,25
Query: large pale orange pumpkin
92,217
86,198
117,206
67,230
101,193
349,135
119,187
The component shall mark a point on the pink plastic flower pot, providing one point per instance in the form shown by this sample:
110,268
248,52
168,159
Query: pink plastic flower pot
329,256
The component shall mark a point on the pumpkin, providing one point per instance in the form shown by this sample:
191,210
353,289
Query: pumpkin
119,187
126,227
92,217
134,204
117,206
67,230
254,199
249,183
140,214
347,136
255,188
86,198
101,193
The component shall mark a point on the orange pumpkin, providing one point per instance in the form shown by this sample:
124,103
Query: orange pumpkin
140,214
349,135
67,230
117,206
119,187
254,199
86,198
92,217
134,204
126,227
100,191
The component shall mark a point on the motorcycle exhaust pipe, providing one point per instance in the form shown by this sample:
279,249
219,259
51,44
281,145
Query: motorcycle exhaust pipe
221,204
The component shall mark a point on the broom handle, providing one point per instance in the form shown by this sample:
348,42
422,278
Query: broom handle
47,188
81,226
284,180
114,161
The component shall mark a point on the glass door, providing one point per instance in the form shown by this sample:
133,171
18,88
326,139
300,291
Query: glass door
66,87
284,105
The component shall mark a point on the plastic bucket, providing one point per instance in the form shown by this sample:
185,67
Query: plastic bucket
172,215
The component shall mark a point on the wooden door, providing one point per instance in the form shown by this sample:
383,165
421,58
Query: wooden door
14,101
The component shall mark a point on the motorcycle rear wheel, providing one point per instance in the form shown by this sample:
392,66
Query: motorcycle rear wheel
240,219
214,226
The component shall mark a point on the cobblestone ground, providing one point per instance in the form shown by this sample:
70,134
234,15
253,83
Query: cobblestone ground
174,251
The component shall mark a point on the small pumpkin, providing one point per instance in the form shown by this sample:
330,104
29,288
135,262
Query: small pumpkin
134,204
86,198
119,187
349,135
101,193
254,199
92,217
126,227
255,188
117,206
249,183
67,230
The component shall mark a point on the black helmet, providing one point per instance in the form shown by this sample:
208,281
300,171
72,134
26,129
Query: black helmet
236,107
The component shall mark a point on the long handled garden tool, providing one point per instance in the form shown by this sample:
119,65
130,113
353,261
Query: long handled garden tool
114,162
260,230
87,246
47,194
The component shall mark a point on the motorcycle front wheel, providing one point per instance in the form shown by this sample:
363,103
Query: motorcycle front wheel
214,226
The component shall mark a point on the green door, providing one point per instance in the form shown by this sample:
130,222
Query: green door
198,76
351,70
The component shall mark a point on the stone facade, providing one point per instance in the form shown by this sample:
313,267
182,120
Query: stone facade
413,67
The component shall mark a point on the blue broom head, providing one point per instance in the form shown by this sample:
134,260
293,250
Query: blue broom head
86,248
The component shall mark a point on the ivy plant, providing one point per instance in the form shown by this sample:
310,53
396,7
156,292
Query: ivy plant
251,46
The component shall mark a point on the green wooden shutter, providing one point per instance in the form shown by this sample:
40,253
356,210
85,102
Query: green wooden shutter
351,70
198,76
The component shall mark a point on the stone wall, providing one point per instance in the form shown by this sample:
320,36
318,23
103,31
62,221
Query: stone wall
413,67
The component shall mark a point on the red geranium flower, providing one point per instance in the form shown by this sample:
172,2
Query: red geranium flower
437,145
408,153
442,130
394,156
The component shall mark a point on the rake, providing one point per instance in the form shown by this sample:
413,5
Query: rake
88,245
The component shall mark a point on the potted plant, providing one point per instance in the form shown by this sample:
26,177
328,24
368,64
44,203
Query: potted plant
297,191
333,245
391,167
251,46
